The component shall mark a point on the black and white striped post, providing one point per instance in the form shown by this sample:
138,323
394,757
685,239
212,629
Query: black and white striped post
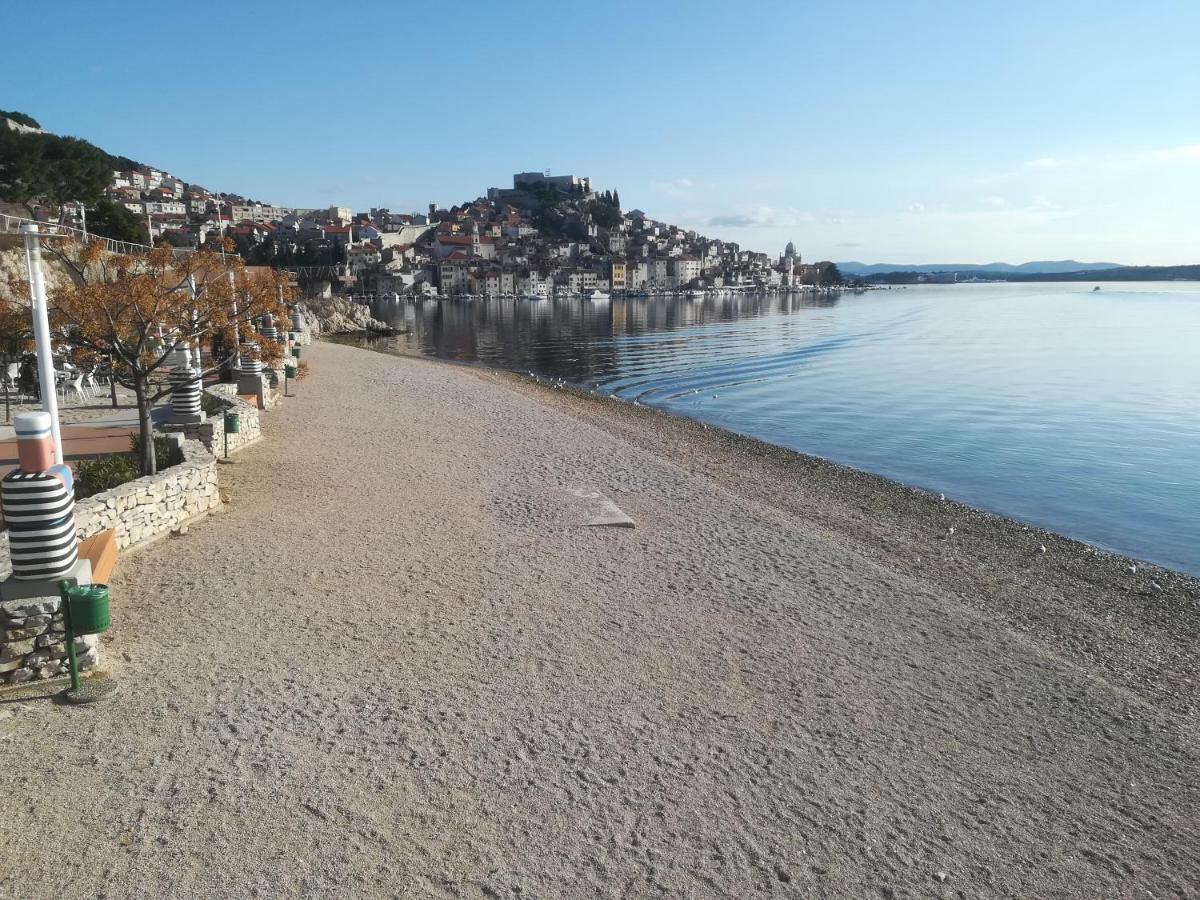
38,502
185,390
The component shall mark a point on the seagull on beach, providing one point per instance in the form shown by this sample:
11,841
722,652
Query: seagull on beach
950,531
1041,548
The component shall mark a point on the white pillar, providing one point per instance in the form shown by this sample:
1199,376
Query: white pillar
41,333
237,331
195,335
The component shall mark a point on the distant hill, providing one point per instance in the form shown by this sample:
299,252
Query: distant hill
1120,273
1045,267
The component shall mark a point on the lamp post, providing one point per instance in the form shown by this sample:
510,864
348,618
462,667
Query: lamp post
41,333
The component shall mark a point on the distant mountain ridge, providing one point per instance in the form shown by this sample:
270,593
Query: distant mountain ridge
1044,267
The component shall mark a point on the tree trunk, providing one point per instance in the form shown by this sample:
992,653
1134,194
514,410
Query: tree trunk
149,464
112,380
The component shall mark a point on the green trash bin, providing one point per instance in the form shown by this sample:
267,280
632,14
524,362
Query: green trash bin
89,609
233,423
296,352
85,611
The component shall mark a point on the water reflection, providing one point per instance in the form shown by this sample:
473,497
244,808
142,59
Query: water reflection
1071,409
572,339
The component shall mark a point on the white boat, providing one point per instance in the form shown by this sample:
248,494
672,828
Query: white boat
597,297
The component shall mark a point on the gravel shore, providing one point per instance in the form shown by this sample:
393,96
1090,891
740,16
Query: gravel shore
401,664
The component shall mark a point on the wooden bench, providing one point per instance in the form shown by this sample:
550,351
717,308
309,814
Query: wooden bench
101,551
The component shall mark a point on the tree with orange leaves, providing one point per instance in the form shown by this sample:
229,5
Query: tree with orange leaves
136,310
16,337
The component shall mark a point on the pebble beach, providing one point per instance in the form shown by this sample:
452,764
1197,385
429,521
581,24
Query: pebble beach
401,662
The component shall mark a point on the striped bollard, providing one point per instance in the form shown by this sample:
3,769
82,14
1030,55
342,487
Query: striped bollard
250,374
38,504
185,391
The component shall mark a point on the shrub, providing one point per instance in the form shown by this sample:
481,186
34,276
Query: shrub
166,453
92,476
211,405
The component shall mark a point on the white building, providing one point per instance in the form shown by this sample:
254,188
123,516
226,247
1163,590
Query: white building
361,257
165,208
454,274
657,272
687,269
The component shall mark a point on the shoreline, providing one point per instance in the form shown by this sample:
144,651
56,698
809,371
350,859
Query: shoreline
1140,627
358,339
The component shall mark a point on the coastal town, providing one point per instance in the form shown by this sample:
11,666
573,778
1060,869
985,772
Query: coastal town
790,494
546,236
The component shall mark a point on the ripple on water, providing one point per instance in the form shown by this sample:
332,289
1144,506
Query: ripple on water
1076,411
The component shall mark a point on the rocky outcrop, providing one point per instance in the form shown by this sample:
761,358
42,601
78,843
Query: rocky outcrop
14,274
337,315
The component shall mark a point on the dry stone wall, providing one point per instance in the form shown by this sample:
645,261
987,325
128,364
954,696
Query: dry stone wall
33,641
211,432
152,507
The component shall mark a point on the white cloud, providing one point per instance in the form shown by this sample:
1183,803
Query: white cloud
916,207
679,187
1171,154
1050,162
761,217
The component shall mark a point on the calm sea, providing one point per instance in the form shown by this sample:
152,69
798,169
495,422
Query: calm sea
1072,409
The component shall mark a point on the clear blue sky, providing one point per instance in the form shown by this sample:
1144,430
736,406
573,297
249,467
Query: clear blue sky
881,131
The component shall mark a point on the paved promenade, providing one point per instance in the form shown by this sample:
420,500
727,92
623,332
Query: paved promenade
399,664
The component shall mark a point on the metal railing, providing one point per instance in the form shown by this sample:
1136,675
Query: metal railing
12,225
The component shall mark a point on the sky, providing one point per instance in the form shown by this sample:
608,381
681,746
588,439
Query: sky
903,132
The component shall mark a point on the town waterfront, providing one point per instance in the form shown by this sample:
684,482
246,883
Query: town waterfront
1072,409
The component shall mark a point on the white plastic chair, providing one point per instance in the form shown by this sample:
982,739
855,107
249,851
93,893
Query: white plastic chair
75,386
12,376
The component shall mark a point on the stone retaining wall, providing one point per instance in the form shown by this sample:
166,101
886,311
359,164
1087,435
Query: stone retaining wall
211,433
153,506
33,641
32,633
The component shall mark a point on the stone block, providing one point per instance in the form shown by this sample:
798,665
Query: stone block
182,420
10,664
42,589
37,658
20,676
20,634
31,606
15,649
